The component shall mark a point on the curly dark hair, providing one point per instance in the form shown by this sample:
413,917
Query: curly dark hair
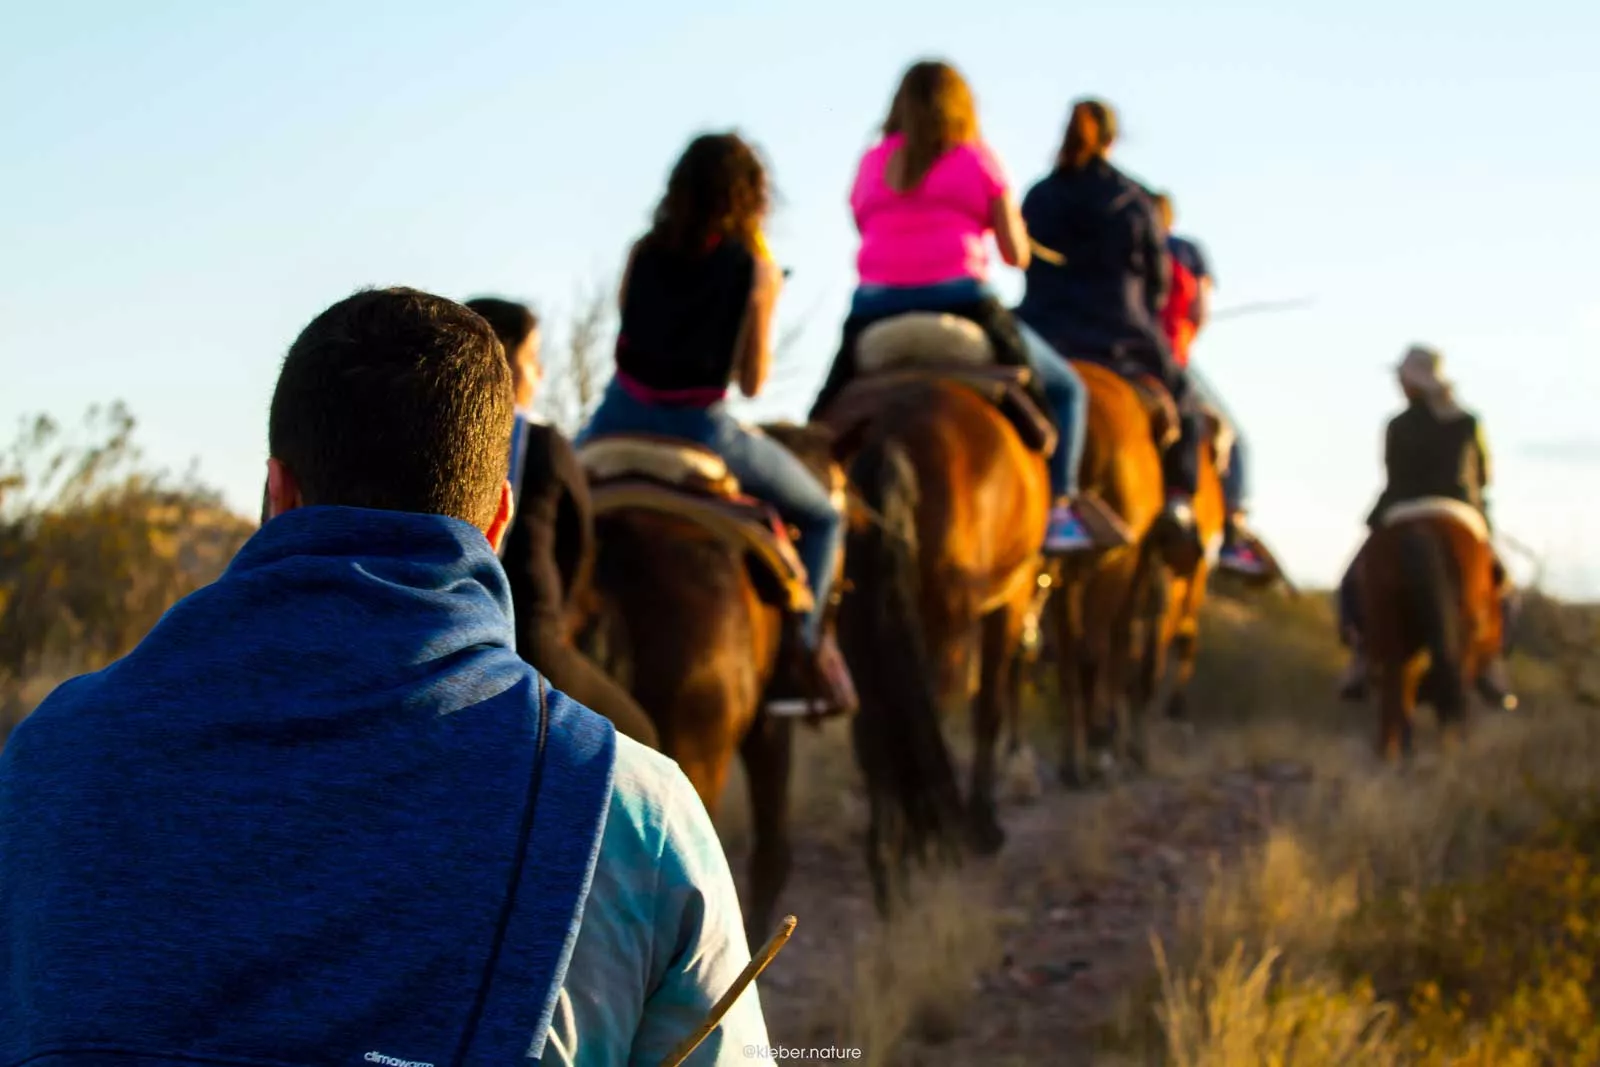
718,189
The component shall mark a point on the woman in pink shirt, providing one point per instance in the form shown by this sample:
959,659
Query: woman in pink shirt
927,199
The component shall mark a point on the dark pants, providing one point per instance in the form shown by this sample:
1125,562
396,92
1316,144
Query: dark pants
1348,602
1180,467
580,678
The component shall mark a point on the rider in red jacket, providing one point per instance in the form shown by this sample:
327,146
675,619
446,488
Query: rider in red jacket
1182,316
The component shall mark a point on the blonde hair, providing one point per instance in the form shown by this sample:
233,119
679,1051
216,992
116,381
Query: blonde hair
934,111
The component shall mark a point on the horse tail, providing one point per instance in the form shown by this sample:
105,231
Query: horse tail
899,744
1430,595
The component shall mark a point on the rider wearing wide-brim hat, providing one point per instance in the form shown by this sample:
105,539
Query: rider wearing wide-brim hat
1434,448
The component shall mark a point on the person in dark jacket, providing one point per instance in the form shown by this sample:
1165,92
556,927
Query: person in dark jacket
927,198
1099,275
549,549
1434,448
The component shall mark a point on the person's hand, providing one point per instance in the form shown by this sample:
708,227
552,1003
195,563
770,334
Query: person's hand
762,251
764,256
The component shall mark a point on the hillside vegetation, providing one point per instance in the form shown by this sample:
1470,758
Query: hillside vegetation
1448,914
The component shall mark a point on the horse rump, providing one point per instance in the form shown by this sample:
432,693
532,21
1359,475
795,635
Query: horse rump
1416,615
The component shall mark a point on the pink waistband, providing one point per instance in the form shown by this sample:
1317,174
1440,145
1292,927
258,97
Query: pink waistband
679,398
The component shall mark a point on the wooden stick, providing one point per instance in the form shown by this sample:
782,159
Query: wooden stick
756,965
1049,255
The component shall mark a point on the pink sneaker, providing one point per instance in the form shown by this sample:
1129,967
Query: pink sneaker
1066,532
1242,558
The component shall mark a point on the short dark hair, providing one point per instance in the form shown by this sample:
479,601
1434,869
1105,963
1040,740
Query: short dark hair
512,322
397,400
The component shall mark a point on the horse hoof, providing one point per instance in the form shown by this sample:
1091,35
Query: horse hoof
985,837
1074,776
1021,778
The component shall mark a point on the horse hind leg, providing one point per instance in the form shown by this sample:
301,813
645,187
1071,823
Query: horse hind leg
1070,687
767,752
1020,774
1001,642
1118,683
1397,703
1450,703
1392,715
1186,650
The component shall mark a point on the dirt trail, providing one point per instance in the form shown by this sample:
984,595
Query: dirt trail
1068,906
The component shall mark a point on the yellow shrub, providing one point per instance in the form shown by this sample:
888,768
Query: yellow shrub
93,549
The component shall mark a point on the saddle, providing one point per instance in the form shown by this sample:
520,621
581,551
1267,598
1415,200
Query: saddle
1438,507
927,346
679,478
1163,411
1158,404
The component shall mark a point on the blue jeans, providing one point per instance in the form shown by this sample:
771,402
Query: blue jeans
1234,486
1069,400
765,469
1062,387
879,300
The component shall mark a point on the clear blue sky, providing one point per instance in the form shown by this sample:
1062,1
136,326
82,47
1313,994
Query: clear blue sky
183,185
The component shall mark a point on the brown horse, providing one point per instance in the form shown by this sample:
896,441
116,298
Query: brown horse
1096,605
1432,616
942,558
697,634
1176,591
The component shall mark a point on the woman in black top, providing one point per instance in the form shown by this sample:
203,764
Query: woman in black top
697,305
1099,277
549,549
1434,448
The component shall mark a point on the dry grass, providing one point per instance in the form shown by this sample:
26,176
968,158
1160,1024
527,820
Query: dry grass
1440,917
1347,936
915,977
93,549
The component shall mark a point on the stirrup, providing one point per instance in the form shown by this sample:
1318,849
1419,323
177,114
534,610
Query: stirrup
1103,523
805,689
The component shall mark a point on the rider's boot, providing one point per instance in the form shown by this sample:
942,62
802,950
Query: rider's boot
813,683
1239,552
1083,525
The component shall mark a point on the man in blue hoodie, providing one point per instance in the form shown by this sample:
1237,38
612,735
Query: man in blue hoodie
323,813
